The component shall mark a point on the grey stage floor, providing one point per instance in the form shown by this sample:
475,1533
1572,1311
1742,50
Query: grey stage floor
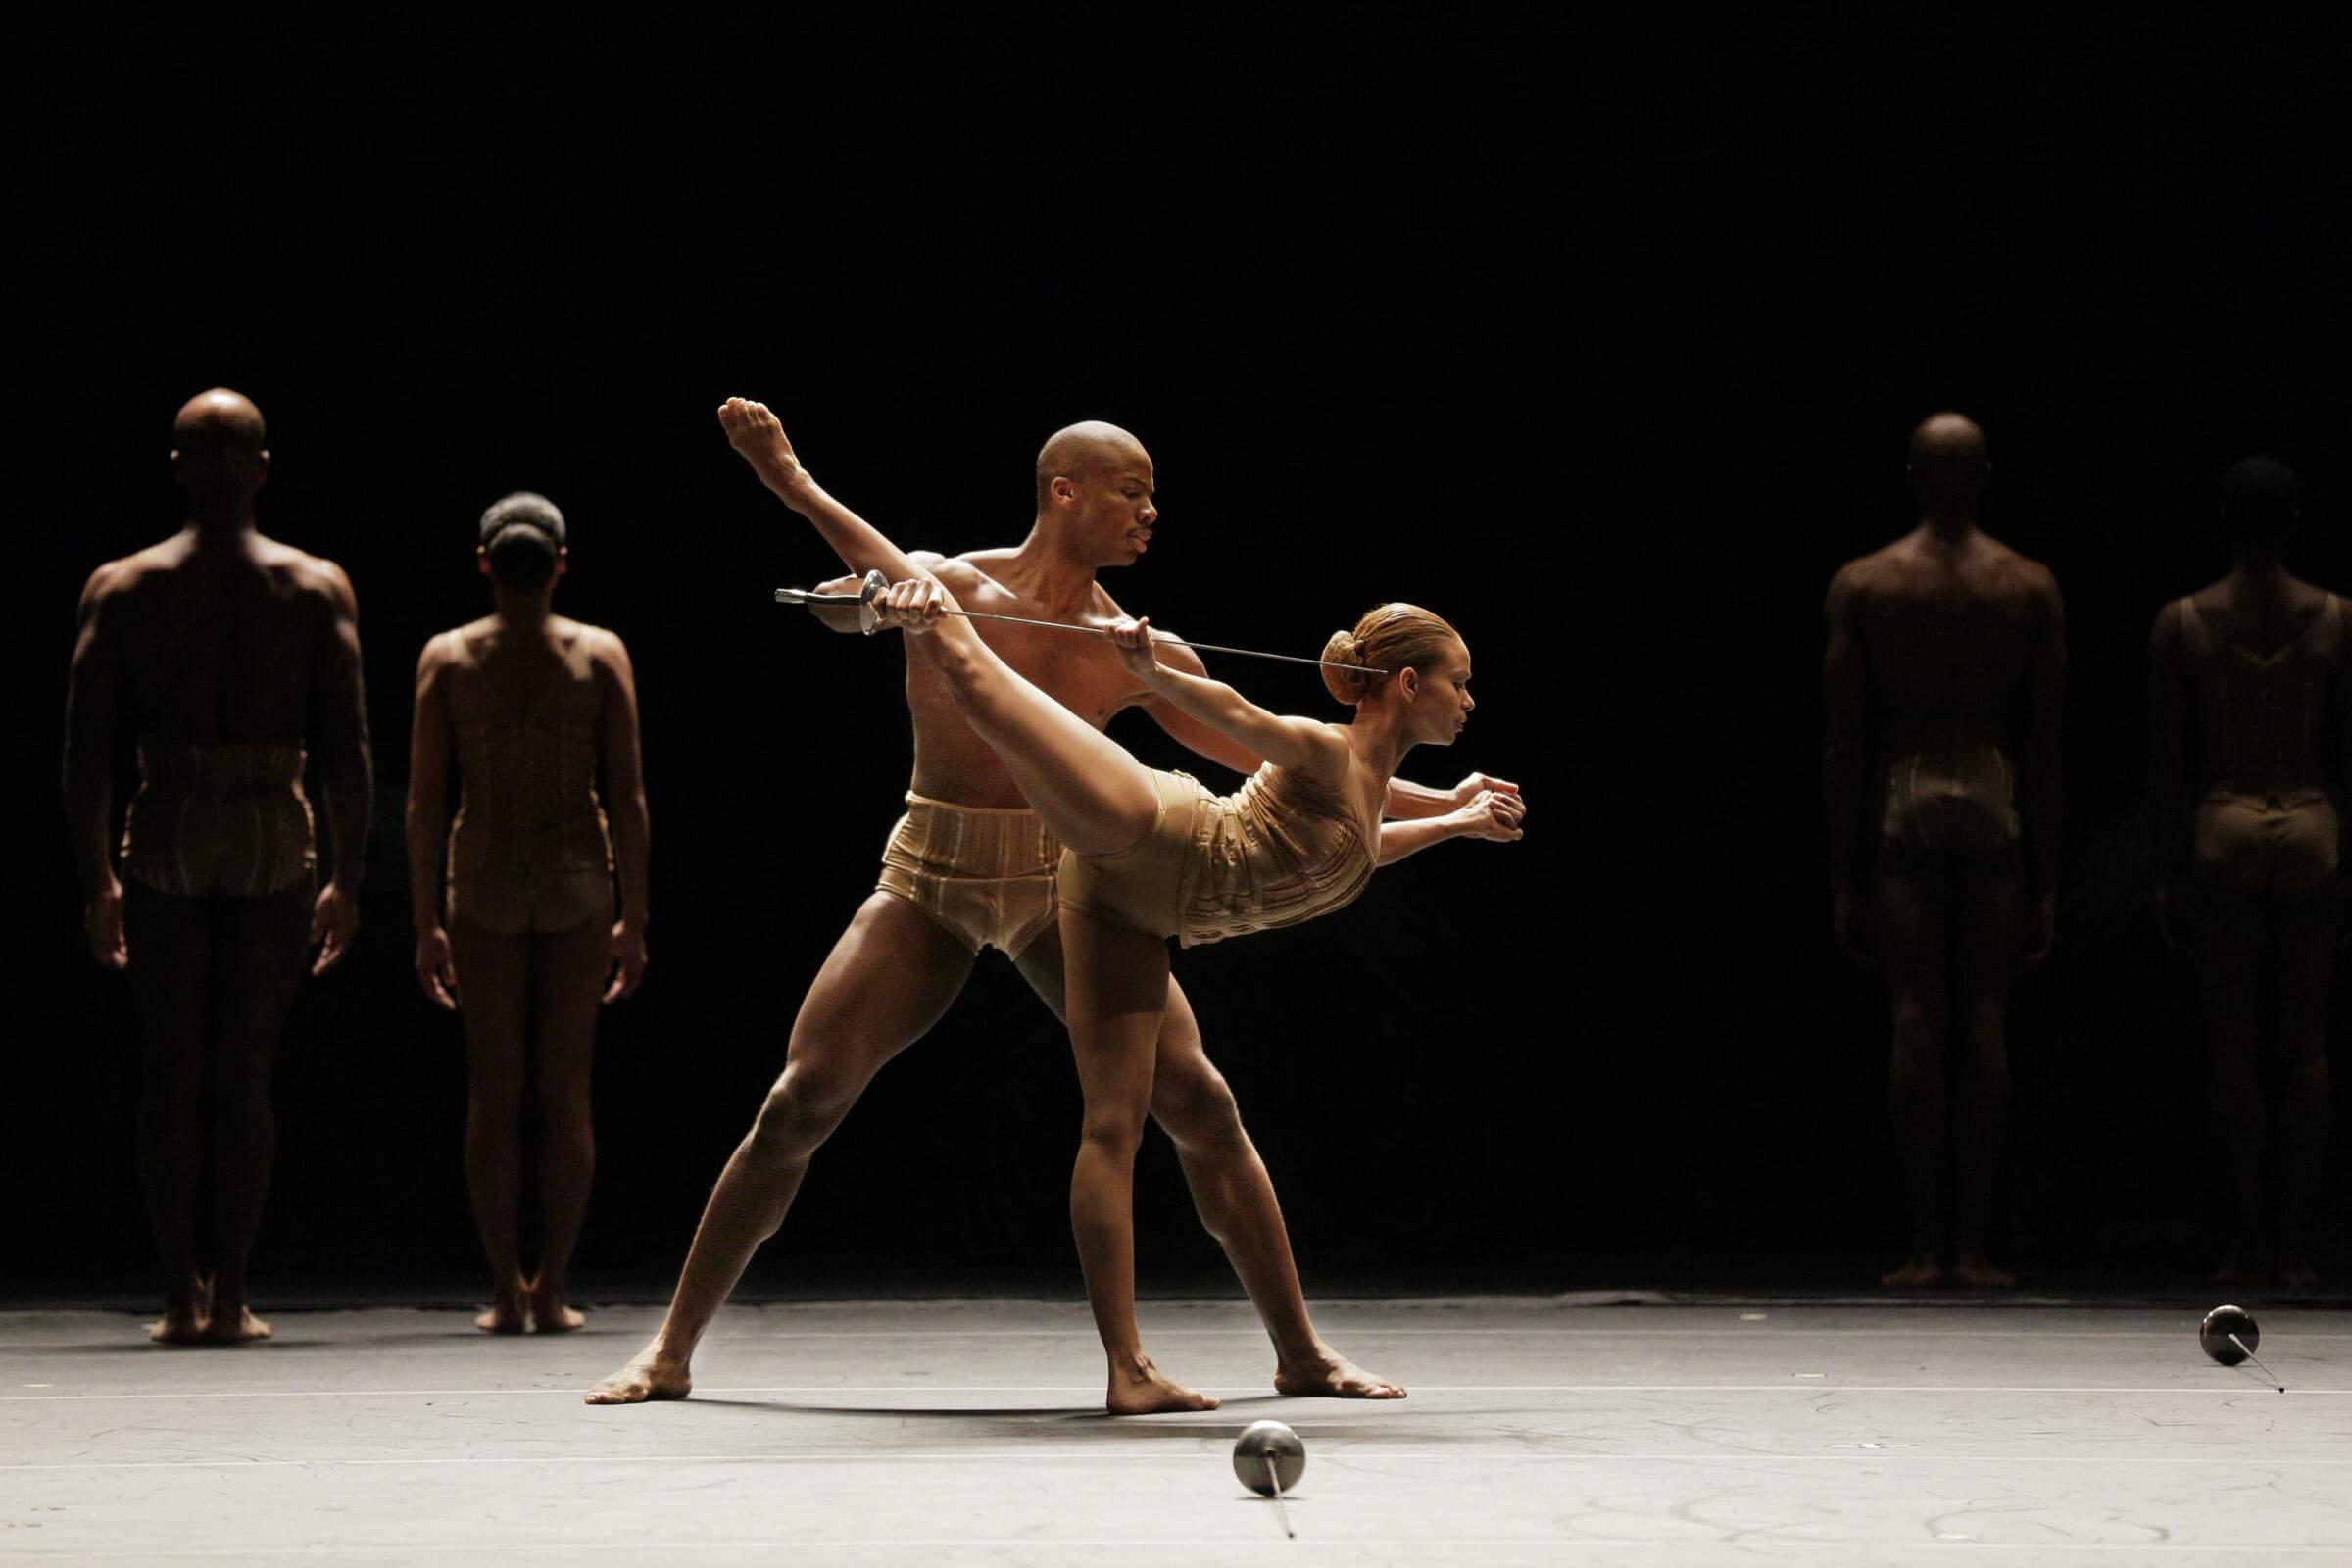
968,1432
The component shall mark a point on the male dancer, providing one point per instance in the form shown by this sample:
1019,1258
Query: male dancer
969,867
1944,677
225,653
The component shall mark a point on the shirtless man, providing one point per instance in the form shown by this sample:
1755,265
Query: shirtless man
1944,678
2249,718
223,654
969,867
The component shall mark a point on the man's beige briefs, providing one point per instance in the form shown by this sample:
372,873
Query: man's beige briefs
986,873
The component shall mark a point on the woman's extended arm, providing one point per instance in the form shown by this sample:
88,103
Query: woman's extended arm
758,436
1492,815
1307,745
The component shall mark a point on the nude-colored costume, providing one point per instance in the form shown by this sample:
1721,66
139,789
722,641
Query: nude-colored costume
2265,822
1278,851
985,873
226,821
1947,789
529,850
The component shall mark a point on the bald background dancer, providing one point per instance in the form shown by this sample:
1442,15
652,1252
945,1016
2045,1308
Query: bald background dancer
1944,680
229,657
969,867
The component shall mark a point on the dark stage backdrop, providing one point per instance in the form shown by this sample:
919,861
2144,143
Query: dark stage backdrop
1603,344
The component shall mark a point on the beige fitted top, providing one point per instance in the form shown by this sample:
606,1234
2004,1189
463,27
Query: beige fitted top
1280,850
526,770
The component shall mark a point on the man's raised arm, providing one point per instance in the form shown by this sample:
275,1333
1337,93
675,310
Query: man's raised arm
758,436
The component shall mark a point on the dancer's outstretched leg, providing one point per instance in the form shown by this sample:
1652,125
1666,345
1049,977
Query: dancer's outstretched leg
1082,785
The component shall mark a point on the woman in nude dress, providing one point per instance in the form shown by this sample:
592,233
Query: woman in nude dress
1150,856
538,716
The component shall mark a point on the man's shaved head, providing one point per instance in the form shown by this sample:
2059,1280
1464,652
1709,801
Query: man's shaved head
219,447
1085,451
1949,438
219,421
1949,461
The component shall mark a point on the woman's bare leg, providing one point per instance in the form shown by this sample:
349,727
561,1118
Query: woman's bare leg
2233,954
494,972
1085,786
1231,1190
567,984
2304,951
1118,987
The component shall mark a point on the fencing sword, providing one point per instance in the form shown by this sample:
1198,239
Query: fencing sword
875,585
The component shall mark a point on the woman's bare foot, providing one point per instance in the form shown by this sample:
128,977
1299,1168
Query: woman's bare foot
1974,1271
182,1322
1923,1273
651,1375
1141,1389
1333,1377
2245,1266
507,1314
551,1314
235,1325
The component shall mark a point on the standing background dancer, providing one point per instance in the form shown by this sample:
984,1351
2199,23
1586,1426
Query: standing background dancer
2249,723
1945,679
539,715
969,868
230,657
1270,863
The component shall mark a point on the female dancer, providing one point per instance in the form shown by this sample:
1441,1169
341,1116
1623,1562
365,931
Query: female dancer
535,707
1150,856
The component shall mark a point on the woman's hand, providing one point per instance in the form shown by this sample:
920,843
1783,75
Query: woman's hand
1477,784
1493,816
436,971
1133,639
628,962
915,604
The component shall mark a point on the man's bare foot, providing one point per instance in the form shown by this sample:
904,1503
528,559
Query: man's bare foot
1919,1274
1143,1388
1333,1377
1974,1271
551,1314
235,1325
651,1375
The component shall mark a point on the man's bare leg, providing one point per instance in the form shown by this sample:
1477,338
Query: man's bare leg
1990,900
2304,938
1118,993
261,952
1231,1189
494,981
2232,942
567,980
889,979
1911,931
170,940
